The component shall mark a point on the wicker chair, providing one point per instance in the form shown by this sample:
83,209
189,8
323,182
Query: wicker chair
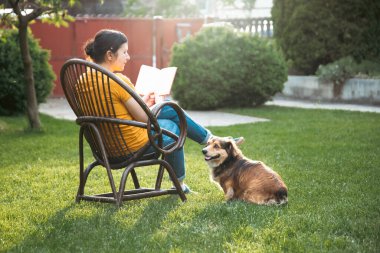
101,129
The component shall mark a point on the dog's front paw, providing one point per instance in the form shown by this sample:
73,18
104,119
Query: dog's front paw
229,194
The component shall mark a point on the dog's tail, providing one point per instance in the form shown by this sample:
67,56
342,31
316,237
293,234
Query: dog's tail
282,196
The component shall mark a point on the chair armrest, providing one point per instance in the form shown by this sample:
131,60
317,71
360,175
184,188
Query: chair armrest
100,119
182,125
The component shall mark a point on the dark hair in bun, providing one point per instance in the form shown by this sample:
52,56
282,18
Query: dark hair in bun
104,40
89,48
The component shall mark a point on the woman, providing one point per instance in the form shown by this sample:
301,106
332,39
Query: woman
109,48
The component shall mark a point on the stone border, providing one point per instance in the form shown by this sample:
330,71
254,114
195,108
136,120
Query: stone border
355,90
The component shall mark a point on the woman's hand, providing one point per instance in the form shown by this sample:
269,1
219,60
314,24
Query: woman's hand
149,99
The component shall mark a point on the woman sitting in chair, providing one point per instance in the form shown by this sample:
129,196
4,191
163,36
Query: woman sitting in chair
109,49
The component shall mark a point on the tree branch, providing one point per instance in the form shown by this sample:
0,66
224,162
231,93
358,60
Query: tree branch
16,9
37,10
11,2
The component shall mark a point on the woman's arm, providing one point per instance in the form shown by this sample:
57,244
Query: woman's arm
136,111
131,104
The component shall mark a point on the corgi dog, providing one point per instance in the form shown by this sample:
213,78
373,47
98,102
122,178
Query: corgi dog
242,178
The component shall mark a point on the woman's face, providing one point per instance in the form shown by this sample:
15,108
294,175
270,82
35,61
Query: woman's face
120,58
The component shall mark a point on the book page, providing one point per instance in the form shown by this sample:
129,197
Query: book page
151,79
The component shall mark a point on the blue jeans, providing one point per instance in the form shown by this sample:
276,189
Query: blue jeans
168,119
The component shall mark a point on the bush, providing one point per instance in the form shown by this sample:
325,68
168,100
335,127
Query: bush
313,33
221,68
338,73
12,84
368,69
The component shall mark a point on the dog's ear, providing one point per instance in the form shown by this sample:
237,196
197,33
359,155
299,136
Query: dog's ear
231,148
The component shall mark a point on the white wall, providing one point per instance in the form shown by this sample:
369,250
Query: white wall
355,90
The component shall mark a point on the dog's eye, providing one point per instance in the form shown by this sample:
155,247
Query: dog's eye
216,146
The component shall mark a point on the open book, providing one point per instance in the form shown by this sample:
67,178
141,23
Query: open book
151,79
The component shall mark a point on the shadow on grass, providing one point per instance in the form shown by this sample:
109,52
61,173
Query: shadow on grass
97,227
153,225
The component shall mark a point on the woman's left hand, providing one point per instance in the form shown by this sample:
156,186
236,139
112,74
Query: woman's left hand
149,99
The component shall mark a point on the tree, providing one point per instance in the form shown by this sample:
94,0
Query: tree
316,32
26,12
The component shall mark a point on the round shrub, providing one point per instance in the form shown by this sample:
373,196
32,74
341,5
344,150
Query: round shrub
222,68
12,83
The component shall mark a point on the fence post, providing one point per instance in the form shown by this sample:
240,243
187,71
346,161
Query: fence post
154,40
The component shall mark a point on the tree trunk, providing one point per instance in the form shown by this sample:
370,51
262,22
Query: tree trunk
337,89
30,91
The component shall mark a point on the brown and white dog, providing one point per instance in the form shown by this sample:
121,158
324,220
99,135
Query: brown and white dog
242,178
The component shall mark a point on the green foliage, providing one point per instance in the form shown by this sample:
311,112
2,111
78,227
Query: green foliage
368,69
313,33
61,18
221,68
53,12
12,84
338,71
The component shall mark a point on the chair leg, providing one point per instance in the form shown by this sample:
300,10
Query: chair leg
83,175
159,177
179,189
123,181
172,175
81,168
163,165
135,179
82,183
160,174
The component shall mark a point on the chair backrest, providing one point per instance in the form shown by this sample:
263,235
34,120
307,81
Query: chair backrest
86,86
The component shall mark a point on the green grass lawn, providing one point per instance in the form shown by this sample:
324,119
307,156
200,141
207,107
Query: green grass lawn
330,161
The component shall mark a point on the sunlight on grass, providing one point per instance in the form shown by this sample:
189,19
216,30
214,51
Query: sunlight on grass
329,160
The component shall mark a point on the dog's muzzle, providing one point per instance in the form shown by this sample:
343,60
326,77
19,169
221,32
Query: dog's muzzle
209,158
